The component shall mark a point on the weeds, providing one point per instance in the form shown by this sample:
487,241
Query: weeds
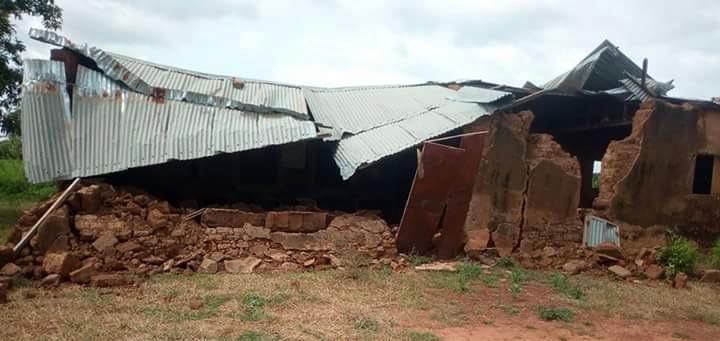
422,336
681,336
562,285
366,324
715,255
555,314
678,256
255,336
15,187
517,278
254,307
416,259
506,262
460,280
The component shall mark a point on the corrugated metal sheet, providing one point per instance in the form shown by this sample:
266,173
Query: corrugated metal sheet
357,151
45,115
354,110
182,85
114,129
472,94
598,231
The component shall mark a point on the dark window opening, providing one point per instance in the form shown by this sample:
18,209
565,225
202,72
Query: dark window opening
702,181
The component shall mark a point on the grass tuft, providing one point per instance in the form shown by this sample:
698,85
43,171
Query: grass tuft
366,324
555,314
562,285
422,336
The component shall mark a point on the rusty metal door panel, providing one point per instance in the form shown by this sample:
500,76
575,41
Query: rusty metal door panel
442,190
427,198
452,237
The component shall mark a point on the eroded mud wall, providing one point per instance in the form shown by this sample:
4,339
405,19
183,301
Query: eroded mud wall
647,178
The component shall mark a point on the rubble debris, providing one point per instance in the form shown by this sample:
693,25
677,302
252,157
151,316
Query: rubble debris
680,281
620,271
10,270
135,233
654,272
51,280
108,280
3,293
438,266
575,266
711,276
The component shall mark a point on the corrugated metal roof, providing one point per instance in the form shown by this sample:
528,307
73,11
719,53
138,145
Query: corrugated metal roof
45,112
357,151
182,85
472,94
113,129
354,110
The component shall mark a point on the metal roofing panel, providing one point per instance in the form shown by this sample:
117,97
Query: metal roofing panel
182,85
45,111
359,150
355,110
473,94
114,129
598,231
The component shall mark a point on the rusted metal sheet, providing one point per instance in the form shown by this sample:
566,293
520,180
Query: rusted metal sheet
598,231
440,196
452,236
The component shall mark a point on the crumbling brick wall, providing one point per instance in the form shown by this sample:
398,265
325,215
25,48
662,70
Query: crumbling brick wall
647,178
527,189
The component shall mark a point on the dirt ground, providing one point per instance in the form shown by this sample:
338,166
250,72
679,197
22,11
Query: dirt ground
366,304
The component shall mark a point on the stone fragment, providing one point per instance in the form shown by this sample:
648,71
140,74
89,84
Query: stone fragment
128,247
141,199
58,223
83,274
299,241
60,263
108,280
711,276
208,266
277,220
654,272
90,199
243,266
296,221
549,252
61,244
106,241
277,255
619,271
438,266
223,217
289,266
575,266
255,232
258,250
217,256
156,218
51,280
310,262
10,270
680,281
91,226
154,260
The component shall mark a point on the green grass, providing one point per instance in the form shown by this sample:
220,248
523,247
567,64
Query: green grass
422,336
366,324
17,195
555,314
562,285
460,280
255,336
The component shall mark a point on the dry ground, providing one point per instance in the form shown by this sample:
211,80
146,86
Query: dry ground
367,304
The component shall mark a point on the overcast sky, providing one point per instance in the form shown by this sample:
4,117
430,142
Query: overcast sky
335,42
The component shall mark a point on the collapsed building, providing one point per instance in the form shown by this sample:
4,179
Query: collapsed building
499,168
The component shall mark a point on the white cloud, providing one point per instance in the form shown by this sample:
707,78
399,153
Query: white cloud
348,42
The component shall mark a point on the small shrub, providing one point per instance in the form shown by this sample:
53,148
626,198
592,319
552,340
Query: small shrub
555,314
422,336
678,256
416,259
254,307
517,278
366,324
506,262
715,255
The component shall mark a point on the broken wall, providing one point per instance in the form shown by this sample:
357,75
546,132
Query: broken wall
527,189
647,178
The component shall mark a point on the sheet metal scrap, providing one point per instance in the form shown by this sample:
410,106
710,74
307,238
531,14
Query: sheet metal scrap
440,196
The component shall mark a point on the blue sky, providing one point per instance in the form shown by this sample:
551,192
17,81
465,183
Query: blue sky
336,43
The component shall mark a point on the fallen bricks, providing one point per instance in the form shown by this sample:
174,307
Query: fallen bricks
102,236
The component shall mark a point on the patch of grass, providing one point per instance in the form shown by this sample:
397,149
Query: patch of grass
715,255
252,335
205,281
517,278
681,336
506,262
460,280
678,256
210,308
416,260
254,307
366,324
422,336
555,314
507,309
562,285
14,186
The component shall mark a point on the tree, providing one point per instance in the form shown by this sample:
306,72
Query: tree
10,49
